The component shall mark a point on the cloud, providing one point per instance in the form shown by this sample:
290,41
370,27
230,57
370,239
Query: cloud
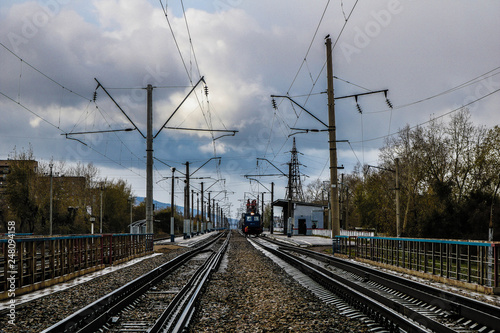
246,51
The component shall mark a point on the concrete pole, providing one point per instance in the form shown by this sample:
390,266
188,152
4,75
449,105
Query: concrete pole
332,140
213,214
202,210
398,221
50,206
272,209
209,212
198,226
149,161
172,209
289,224
186,204
100,214
131,206
191,218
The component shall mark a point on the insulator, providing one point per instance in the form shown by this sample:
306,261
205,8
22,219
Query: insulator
274,104
95,95
389,103
206,90
359,108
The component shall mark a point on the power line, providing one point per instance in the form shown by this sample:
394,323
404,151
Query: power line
460,86
164,8
324,64
310,46
31,111
428,121
190,39
43,74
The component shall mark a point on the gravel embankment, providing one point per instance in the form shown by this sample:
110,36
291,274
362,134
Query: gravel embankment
253,294
44,312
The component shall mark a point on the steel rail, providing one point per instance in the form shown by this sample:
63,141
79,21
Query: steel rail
95,315
177,315
480,312
373,305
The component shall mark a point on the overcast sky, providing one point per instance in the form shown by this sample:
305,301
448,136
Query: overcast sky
245,50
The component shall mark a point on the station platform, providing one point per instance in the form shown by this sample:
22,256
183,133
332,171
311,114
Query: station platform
299,240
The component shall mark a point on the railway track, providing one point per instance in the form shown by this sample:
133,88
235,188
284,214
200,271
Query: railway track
161,300
391,302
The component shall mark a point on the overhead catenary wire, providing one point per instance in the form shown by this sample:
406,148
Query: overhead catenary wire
432,119
324,64
31,111
41,73
190,39
455,88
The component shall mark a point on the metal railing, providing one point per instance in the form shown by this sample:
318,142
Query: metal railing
31,263
475,262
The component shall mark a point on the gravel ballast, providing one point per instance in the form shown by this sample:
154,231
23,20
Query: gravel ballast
253,294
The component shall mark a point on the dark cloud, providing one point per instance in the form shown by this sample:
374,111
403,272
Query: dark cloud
246,51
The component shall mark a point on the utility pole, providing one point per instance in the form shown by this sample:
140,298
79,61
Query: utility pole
262,206
191,219
100,216
289,223
213,214
271,227
149,161
398,225
186,203
202,210
50,208
172,218
209,212
198,220
332,140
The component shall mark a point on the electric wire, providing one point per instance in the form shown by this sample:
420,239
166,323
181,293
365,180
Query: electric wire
434,118
102,111
324,64
41,73
31,111
190,39
164,8
460,86
310,46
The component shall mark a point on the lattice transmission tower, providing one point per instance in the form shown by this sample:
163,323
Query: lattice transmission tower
294,189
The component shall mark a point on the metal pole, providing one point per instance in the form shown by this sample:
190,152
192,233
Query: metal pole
262,205
209,212
202,209
186,203
50,208
149,162
191,219
289,224
332,140
100,217
272,208
398,230
172,209
131,205
214,214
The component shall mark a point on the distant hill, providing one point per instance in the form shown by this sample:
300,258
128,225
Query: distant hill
160,205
